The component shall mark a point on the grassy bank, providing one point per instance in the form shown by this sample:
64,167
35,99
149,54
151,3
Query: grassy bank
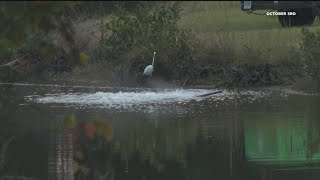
228,34
229,27
234,48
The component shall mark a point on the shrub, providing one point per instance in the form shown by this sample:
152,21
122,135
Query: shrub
35,29
310,47
132,37
23,18
46,52
95,9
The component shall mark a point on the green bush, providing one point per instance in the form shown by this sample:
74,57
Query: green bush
310,47
22,18
95,9
132,37
34,29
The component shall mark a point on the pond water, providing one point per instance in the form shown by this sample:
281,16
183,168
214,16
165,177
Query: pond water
60,132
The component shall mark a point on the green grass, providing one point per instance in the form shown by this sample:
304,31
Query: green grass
222,26
231,18
225,32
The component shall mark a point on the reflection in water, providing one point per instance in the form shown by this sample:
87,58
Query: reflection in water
285,144
174,149
61,150
80,150
282,139
273,139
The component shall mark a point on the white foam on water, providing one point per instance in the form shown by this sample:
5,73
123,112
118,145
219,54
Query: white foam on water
179,101
296,92
148,100
121,98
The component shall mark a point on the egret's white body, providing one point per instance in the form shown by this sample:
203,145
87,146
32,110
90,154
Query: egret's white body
149,69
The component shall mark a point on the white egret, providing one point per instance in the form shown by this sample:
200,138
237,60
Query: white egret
149,69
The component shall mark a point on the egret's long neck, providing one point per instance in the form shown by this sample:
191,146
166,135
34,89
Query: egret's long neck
153,59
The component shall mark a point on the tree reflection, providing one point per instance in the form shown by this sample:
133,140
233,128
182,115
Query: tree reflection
178,149
313,136
92,149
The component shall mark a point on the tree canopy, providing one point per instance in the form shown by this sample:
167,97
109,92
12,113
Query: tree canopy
20,19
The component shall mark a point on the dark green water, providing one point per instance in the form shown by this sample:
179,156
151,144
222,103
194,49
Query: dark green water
271,138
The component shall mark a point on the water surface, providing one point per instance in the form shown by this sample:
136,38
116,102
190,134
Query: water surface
57,132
